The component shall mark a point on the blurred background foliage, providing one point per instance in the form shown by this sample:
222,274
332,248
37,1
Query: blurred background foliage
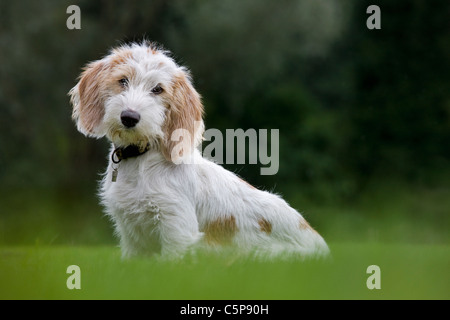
364,115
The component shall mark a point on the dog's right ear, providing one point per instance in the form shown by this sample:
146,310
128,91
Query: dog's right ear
88,99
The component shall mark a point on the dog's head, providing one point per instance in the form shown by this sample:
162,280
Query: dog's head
137,95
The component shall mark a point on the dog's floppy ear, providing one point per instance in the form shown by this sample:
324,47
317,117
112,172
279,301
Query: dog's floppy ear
88,101
183,129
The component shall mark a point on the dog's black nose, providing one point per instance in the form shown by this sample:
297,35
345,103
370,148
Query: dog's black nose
129,118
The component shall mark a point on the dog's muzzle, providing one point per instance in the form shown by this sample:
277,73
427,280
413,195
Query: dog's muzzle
130,118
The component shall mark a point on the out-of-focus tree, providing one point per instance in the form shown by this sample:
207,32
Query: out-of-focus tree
349,102
261,64
400,115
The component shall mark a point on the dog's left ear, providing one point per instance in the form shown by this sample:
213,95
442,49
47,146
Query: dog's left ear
87,99
183,129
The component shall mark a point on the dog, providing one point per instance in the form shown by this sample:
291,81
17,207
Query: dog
138,97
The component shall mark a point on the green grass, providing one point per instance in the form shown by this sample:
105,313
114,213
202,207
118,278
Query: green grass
407,272
390,211
401,228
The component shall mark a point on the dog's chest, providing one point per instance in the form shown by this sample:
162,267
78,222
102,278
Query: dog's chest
131,191
146,186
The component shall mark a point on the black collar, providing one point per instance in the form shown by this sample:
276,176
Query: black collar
130,151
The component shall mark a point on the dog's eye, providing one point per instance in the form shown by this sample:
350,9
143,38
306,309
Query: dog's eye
123,82
157,90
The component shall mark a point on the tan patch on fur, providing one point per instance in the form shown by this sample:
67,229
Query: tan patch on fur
151,50
184,108
220,231
120,72
90,109
304,225
120,56
95,81
265,226
119,69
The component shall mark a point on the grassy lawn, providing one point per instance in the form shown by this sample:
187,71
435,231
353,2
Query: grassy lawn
407,272
402,229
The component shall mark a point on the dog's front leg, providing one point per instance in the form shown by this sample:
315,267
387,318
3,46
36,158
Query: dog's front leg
179,231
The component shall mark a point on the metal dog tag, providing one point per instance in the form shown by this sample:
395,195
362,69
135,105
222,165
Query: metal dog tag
114,174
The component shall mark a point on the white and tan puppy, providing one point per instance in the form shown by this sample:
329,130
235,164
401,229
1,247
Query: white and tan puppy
138,97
